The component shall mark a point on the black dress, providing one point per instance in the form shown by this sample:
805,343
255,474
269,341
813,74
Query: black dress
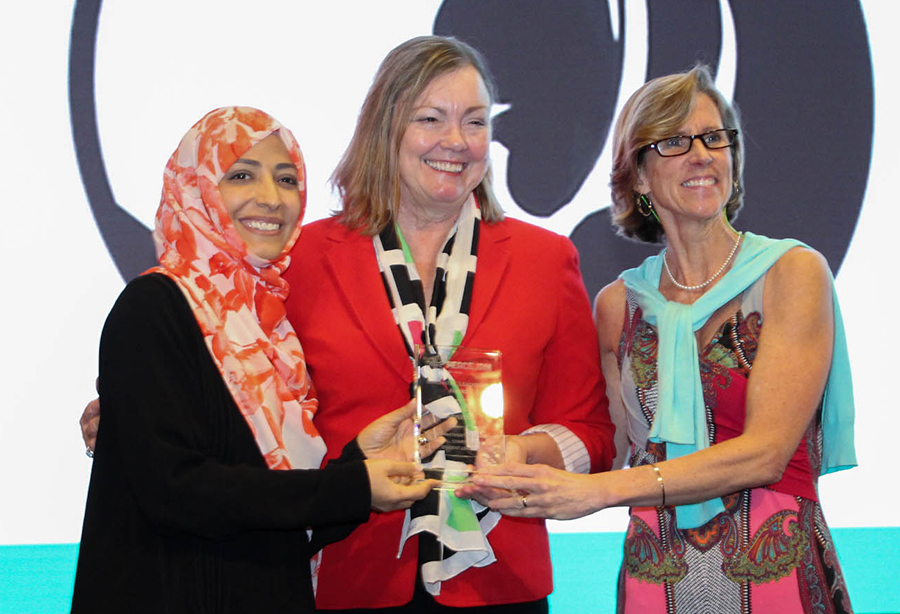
182,513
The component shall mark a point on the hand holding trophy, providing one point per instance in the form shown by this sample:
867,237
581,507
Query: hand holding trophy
461,384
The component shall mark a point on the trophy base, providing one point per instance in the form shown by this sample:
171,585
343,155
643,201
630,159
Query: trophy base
450,479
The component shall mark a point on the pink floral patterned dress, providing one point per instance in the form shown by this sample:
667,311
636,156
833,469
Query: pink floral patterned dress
770,550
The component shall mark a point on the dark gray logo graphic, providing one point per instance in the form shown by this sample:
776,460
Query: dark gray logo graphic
126,238
803,83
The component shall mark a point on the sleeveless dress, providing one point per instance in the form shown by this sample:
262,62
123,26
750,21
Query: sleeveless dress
770,550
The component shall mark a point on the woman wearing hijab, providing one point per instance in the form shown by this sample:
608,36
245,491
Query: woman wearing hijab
728,353
206,479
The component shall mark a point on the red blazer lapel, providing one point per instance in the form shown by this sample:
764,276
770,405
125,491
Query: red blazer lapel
351,259
493,260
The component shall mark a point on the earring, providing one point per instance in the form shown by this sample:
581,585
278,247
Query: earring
736,187
644,206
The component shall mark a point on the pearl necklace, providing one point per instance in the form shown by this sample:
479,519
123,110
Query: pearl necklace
710,280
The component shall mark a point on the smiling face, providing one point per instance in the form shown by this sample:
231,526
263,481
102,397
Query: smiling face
261,195
444,151
696,184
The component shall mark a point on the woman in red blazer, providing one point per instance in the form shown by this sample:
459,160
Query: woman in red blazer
414,179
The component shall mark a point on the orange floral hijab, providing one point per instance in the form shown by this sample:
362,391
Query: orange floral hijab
238,298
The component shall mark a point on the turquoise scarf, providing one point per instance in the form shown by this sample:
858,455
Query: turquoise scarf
680,418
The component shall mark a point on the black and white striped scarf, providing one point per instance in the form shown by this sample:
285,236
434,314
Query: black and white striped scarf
452,532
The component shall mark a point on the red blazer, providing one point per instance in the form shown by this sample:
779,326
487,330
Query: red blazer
529,302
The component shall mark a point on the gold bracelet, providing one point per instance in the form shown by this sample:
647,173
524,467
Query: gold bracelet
662,485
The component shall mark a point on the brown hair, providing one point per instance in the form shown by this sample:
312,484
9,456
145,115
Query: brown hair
368,175
657,110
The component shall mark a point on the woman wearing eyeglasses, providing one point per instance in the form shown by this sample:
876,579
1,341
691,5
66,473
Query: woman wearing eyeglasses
726,363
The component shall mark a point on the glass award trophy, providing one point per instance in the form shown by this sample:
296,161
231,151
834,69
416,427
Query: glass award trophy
464,383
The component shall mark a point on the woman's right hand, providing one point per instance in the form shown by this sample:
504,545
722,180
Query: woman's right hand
539,491
394,486
90,422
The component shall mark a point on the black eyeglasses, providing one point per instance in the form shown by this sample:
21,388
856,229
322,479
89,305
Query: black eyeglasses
680,145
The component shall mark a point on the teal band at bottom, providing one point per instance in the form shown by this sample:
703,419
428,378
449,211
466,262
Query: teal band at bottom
38,579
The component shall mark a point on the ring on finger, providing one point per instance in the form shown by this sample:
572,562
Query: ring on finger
524,501
423,440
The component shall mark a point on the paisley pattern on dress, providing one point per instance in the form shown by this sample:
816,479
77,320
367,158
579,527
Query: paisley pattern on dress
647,559
713,377
769,550
644,351
238,298
720,530
774,551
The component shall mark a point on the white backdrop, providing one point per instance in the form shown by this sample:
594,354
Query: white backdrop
159,67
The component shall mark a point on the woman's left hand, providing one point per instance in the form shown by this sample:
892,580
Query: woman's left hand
539,491
392,436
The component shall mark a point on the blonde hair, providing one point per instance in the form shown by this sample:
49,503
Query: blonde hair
657,110
368,175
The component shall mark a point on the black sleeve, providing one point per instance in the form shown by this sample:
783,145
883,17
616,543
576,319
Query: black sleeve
155,390
322,535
